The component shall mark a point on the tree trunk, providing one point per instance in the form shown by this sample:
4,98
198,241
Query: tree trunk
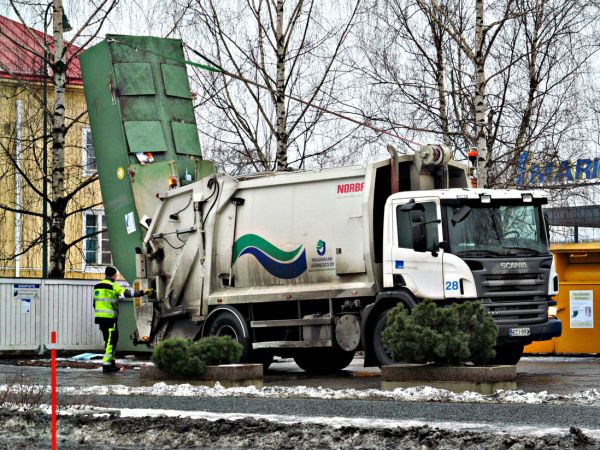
437,35
58,211
281,126
480,123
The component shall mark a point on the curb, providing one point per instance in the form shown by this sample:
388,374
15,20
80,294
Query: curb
228,375
484,380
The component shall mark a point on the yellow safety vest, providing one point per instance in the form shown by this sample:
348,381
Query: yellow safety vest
106,299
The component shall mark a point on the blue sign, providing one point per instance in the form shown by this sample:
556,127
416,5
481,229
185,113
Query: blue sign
550,172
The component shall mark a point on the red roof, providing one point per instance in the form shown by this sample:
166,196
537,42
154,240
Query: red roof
16,62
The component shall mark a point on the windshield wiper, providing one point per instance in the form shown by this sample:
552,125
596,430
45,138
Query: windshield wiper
480,252
527,250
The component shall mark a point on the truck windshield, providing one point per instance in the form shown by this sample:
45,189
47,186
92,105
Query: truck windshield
489,230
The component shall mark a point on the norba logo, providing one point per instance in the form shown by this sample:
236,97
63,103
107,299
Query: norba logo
350,187
513,265
279,263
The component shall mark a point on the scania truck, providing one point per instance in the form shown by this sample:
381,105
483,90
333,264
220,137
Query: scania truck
304,264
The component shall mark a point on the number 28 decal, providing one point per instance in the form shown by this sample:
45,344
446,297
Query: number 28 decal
452,285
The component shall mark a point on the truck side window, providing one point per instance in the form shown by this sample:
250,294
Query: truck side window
404,226
404,233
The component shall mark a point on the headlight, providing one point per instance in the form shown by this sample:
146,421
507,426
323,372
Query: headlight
552,311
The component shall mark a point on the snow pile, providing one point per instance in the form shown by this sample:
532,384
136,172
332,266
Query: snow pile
415,394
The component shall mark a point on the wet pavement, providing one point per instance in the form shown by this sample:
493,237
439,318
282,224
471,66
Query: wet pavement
555,374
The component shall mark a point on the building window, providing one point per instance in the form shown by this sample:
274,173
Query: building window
88,158
96,247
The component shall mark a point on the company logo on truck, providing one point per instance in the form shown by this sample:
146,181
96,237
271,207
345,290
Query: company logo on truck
321,247
346,188
279,263
513,265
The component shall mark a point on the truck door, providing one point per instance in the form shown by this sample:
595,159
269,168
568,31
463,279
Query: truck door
416,256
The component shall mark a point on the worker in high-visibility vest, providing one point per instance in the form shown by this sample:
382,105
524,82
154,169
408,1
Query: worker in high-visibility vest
106,305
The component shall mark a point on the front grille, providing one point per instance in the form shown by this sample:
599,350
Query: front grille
517,310
513,283
496,280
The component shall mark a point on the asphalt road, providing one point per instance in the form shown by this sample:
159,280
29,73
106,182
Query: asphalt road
499,415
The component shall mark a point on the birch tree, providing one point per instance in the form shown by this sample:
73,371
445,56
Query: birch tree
292,48
502,77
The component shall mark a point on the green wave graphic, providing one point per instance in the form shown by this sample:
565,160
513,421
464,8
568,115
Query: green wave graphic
253,240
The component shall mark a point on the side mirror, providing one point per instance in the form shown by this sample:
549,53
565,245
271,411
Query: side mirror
419,232
417,216
547,227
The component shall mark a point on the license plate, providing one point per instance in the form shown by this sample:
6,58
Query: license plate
519,331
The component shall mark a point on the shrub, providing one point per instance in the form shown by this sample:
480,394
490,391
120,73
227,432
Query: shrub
442,335
482,331
187,358
173,357
215,350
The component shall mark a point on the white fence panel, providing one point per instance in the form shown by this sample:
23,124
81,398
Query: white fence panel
19,316
69,311
28,315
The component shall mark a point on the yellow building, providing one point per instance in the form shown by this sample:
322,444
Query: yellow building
21,163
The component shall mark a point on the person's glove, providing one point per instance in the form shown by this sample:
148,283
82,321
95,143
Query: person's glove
148,291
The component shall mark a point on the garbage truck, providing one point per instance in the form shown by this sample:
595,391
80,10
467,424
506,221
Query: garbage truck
302,264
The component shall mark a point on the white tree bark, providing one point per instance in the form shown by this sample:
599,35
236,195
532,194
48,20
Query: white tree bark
482,160
58,216
281,126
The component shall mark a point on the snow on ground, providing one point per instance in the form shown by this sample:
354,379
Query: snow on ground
338,422
415,394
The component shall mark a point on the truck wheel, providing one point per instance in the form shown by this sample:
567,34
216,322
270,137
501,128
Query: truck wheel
323,361
508,354
382,353
225,323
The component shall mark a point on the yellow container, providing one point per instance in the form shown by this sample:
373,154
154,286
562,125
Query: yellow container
578,300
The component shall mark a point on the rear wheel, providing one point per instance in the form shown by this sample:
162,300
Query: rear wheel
508,354
226,323
323,361
382,353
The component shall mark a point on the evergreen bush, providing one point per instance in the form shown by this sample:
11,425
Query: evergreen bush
188,358
442,335
482,331
215,350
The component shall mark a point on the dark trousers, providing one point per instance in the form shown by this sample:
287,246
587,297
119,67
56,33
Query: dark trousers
110,334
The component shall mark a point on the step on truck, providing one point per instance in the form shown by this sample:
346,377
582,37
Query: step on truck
302,264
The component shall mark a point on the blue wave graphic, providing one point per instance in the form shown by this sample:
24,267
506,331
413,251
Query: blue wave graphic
275,268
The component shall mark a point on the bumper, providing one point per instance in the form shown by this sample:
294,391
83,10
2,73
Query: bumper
539,332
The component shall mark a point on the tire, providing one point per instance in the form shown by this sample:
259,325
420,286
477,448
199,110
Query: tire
226,323
509,354
323,361
382,354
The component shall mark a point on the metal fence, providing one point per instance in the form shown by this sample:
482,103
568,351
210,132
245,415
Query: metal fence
31,308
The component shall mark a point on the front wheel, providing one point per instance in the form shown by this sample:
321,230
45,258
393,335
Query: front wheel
509,354
382,352
323,360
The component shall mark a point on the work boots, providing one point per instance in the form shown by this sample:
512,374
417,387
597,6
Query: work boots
110,369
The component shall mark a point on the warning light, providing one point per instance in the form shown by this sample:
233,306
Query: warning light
172,182
145,338
472,155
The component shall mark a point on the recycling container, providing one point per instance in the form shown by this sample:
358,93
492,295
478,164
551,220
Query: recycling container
578,300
